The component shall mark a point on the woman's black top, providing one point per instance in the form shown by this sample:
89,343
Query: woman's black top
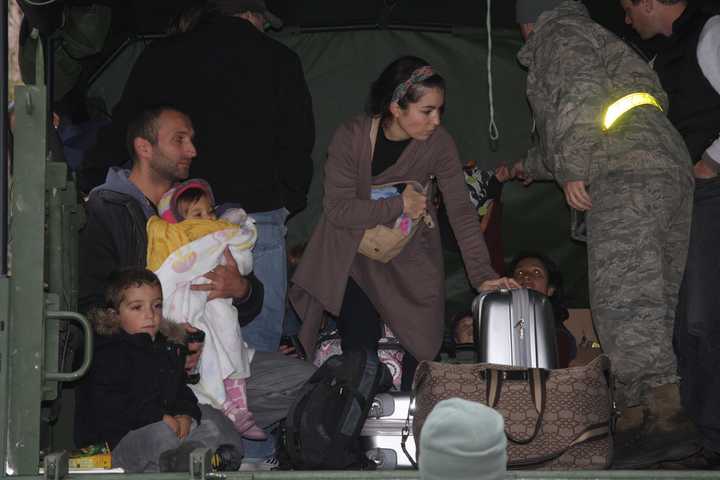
386,152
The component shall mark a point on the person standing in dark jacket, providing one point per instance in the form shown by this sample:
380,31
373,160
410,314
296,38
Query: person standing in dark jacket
134,397
684,40
250,104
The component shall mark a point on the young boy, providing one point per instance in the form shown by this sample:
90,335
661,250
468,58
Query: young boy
134,397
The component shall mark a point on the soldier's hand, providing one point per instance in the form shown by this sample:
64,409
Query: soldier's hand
518,171
503,173
576,195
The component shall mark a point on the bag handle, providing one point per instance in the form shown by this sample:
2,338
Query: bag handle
537,379
419,380
592,432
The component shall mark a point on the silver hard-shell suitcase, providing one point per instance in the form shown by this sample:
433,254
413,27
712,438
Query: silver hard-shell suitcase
381,437
515,327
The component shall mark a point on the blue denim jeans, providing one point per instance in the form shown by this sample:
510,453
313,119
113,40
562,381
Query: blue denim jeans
697,326
264,332
270,266
292,321
271,389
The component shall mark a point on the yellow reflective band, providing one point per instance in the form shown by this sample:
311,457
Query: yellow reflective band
628,102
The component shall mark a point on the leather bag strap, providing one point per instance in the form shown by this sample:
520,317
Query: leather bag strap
537,380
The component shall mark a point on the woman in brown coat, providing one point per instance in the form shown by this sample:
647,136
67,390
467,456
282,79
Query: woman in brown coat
401,140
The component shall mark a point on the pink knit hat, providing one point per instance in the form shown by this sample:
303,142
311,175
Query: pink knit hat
167,206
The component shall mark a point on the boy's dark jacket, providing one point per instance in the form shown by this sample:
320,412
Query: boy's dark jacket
132,383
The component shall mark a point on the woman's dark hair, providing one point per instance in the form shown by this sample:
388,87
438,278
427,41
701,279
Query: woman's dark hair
555,280
382,89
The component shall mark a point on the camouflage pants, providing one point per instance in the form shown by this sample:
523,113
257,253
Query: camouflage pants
638,230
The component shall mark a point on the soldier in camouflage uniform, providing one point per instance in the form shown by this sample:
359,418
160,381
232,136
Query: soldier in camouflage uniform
633,181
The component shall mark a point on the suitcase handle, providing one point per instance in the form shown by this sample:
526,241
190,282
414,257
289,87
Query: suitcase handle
537,379
405,433
403,442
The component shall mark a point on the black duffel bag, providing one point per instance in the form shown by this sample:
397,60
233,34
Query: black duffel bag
322,428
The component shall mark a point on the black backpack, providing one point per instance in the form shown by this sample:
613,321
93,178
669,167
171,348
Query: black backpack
323,424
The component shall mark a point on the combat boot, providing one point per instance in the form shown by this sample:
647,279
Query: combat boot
627,434
666,435
666,414
631,420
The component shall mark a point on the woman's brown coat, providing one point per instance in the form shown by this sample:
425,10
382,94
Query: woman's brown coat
409,291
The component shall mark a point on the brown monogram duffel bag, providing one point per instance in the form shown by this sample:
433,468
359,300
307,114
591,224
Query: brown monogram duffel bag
554,419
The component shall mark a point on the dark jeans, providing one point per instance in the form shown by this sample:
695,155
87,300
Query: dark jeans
697,328
360,327
274,383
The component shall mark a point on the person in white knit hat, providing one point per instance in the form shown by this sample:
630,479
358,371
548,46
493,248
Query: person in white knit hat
463,440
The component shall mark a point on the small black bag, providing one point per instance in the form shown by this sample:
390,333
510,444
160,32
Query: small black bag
323,425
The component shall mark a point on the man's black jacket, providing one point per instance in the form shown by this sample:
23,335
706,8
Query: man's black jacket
694,103
250,106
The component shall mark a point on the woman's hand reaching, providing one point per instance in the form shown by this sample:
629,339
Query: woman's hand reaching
497,284
414,202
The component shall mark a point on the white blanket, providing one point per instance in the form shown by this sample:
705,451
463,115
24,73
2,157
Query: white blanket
224,353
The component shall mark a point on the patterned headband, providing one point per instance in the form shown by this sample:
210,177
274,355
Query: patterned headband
419,75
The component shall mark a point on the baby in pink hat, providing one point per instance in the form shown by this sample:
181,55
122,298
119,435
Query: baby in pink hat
194,200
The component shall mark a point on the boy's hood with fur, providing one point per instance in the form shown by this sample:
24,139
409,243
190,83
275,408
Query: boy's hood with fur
107,324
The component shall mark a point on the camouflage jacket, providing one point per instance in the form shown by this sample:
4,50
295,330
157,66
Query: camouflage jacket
576,69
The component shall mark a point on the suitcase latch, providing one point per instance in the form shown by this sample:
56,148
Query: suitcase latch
521,328
376,409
